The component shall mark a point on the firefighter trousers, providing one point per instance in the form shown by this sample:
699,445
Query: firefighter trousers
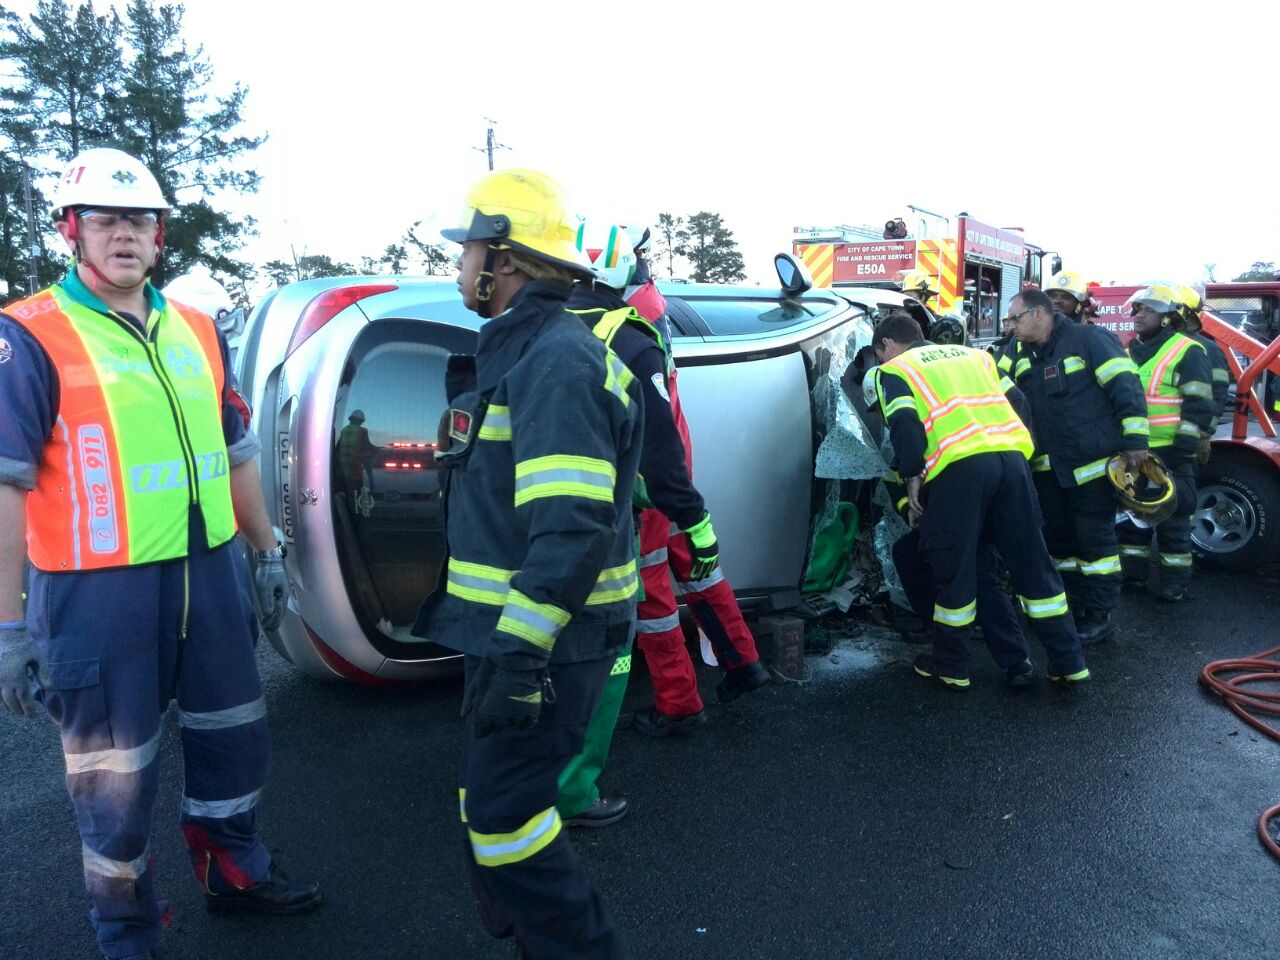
988,499
1080,532
121,644
528,881
664,550
1171,540
578,787
1001,628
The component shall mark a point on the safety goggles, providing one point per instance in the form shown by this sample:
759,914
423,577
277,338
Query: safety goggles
139,220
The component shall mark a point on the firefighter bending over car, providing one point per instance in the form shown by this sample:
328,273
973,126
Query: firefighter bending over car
1087,406
540,450
962,451
1176,378
126,460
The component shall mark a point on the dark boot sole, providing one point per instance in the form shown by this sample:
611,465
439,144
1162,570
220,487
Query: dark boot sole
239,906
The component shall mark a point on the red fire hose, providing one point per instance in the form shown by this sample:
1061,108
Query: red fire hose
1261,668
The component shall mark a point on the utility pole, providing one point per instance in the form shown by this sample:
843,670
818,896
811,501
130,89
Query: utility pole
33,248
490,142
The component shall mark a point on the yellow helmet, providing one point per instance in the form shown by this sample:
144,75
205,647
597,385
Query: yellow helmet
522,210
1147,492
916,282
1160,297
1068,281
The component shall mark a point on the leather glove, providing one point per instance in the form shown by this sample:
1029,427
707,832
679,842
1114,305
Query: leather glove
18,655
1204,451
704,548
505,699
271,585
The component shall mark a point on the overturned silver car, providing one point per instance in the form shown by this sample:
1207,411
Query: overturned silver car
346,380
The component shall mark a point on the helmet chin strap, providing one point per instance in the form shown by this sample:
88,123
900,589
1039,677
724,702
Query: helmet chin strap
485,284
73,235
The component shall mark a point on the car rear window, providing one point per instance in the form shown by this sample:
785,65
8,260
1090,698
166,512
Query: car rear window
740,317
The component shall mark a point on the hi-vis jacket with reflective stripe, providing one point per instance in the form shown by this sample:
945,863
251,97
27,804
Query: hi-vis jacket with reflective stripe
138,441
1085,398
538,500
958,396
1176,376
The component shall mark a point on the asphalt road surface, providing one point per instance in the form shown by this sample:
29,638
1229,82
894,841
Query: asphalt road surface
864,814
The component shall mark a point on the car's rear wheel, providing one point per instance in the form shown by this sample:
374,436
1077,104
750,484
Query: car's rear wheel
1236,523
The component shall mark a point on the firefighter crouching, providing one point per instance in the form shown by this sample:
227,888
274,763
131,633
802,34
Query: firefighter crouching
1176,378
541,448
1086,406
126,460
963,451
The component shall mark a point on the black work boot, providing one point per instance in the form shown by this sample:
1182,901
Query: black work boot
1172,592
600,814
742,680
925,666
657,724
1021,675
1095,626
276,894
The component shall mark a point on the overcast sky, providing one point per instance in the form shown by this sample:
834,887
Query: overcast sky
1136,139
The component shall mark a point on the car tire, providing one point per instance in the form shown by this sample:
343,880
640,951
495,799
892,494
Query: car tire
1236,524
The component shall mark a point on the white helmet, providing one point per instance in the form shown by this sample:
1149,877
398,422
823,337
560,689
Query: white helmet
869,383
103,177
198,289
611,252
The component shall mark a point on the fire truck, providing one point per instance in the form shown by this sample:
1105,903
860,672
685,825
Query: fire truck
979,268
1237,518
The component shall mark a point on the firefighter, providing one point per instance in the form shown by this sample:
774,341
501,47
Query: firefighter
356,455
126,459
1086,406
1069,293
921,286
963,451
1191,302
540,450
1176,377
996,617
676,535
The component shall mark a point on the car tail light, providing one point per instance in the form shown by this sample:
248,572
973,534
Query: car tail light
325,306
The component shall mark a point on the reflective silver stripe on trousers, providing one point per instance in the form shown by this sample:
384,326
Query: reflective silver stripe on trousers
95,862
114,761
697,586
660,625
220,809
222,719
658,556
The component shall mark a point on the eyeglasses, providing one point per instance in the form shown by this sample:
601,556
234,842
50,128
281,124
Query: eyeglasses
1015,317
139,220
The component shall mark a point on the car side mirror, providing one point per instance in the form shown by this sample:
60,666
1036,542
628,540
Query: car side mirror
793,275
1055,265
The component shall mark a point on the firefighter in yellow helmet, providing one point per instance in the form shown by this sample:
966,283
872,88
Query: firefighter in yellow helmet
1068,291
1176,378
1190,305
921,286
540,450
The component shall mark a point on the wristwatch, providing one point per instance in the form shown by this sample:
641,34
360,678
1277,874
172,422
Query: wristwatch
275,553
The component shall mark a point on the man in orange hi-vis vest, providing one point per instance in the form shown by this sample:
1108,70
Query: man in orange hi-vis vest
126,460
962,450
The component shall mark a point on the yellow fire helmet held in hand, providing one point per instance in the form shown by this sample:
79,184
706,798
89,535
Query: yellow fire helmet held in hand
1147,492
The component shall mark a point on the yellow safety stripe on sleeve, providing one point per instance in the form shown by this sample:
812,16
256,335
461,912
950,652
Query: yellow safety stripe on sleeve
1134,550
1005,363
535,623
617,378
1175,559
1090,471
497,423
1112,368
462,803
1222,376
478,583
1021,367
1042,609
1040,464
1072,364
1135,427
500,849
1196,388
1006,384
901,403
561,475
1066,564
957,616
1100,567
614,584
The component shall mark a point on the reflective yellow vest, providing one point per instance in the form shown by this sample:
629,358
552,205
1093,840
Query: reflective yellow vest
138,440
1159,381
960,402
